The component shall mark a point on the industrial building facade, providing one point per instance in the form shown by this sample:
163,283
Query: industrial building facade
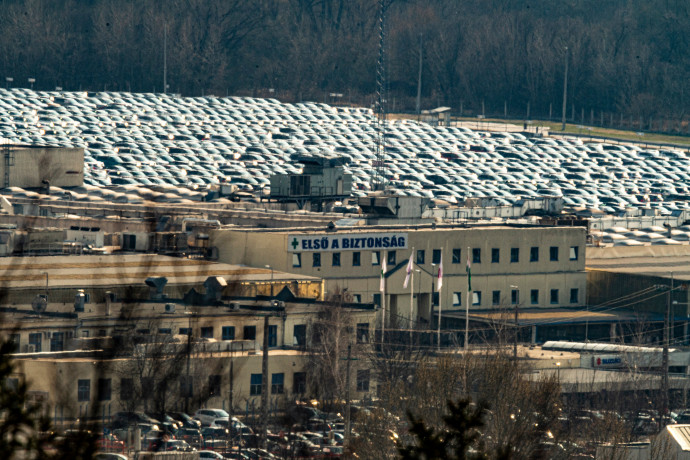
535,267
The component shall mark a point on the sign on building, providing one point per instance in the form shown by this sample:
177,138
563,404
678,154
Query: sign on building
347,242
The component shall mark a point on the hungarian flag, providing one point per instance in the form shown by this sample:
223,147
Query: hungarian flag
439,282
468,268
409,272
382,286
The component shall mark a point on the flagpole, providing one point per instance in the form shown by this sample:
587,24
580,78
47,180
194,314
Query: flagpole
438,288
383,299
467,304
411,300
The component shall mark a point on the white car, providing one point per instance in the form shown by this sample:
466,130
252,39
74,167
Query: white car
208,416
209,454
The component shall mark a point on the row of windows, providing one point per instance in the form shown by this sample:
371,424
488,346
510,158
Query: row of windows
104,386
391,257
496,298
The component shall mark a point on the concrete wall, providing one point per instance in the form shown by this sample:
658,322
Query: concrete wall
62,167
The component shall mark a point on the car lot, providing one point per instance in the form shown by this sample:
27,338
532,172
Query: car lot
142,140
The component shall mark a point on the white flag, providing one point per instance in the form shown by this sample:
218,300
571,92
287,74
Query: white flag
382,286
439,283
409,272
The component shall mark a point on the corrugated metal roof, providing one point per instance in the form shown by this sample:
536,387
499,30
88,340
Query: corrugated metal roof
595,347
681,434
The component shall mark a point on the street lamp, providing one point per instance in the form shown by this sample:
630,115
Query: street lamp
517,304
32,81
268,266
8,80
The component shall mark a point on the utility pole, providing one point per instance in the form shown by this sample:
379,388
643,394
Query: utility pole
347,395
419,79
664,357
565,89
232,384
264,385
165,59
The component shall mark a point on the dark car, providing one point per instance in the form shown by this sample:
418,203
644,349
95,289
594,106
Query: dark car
126,419
186,420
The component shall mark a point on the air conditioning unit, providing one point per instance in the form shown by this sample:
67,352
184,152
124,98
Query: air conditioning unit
31,348
170,308
234,306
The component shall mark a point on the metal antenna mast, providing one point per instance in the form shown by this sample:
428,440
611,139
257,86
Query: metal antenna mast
378,175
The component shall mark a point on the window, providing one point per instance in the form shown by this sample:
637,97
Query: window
83,390
207,332
86,333
495,255
496,298
391,258
35,340
272,335
574,252
477,298
362,332
277,384
356,259
534,254
255,384
296,259
185,331
214,385
249,333
162,330
457,256
375,257
574,295
514,255
299,335
336,259
553,253
357,298
476,255
376,299
363,380
104,389
12,384
147,387
436,256
514,297
420,257
57,341
534,296
186,386
457,299
434,298
126,389
316,259
228,332
299,383
16,339
554,296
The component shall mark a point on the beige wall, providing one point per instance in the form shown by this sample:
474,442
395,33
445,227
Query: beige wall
258,248
62,167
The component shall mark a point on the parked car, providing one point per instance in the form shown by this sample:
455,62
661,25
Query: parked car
208,416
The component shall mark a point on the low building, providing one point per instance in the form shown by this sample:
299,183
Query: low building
535,266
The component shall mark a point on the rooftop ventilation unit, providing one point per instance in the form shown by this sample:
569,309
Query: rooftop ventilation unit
156,285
